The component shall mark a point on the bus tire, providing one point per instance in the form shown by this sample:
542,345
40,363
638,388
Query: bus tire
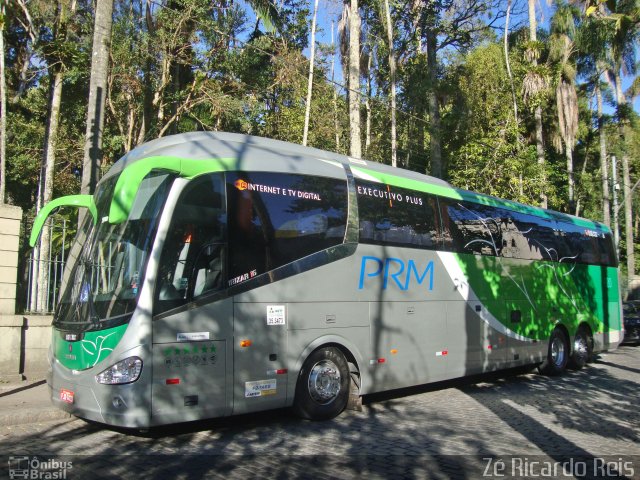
322,390
582,349
557,355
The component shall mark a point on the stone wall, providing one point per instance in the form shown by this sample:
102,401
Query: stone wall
24,340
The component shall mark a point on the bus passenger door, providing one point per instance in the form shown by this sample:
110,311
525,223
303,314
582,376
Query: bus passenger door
192,312
259,353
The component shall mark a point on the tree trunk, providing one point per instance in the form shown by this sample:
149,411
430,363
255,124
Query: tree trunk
579,197
434,109
533,36
367,106
354,80
568,153
312,55
45,188
628,200
336,123
508,63
3,110
392,74
46,179
628,218
604,164
97,94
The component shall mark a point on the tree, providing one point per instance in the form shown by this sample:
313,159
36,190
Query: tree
392,80
441,25
349,28
60,59
3,109
312,57
97,95
561,56
534,85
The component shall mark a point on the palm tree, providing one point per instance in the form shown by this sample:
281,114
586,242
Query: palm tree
623,21
533,85
561,58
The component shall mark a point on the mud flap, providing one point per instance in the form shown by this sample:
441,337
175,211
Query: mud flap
355,400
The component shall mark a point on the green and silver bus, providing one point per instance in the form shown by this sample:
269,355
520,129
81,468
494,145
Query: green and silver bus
218,274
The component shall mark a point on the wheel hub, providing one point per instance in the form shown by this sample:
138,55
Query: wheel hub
324,382
557,352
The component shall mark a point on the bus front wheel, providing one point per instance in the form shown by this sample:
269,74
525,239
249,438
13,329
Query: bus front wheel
558,354
322,389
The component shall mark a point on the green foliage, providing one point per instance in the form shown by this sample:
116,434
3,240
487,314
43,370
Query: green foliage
185,65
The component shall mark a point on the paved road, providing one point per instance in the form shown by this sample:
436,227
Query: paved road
527,425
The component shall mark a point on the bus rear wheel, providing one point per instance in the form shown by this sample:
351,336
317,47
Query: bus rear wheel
582,349
322,389
558,354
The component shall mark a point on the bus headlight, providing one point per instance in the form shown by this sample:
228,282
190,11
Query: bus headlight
125,371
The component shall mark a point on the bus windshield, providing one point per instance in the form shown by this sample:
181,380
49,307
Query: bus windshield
107,263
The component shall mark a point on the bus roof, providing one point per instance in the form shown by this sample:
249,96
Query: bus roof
196,153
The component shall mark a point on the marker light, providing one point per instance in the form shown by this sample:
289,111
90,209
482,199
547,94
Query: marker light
245,343
125,371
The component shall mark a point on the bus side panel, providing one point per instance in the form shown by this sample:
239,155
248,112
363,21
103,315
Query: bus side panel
192,364
408,343
259,356
473,345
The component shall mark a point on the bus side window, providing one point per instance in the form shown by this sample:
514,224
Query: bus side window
397,216
473,228
194,254
278,218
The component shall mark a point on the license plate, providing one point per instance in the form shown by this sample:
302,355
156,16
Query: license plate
66,396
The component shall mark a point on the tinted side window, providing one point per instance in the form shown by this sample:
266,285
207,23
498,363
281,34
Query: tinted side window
585,245
473,228
397,216
277,218
536,237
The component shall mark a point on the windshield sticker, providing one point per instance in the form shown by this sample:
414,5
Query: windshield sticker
282,191
275,315
260,388
387,194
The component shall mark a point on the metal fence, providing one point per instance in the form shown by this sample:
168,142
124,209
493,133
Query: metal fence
46,267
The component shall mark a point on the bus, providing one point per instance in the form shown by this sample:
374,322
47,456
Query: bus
218,274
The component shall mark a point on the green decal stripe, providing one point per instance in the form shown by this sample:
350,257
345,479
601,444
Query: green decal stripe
458,194
77,201
86,353
545,293
129,181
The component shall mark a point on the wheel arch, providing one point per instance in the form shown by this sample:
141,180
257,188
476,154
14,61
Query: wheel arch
349,350
584,325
